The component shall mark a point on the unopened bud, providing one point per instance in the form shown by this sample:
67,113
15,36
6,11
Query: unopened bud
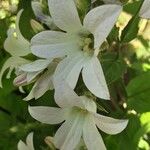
36,26
20,80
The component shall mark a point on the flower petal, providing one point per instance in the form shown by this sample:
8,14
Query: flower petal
69,134
30,95
32,75
37,9
89,104
94,79
65,96
48,115
17,22
69,69
17,46
145,10
65,15
29,141
52,44
20,80
42,85
35,66
28,145
100,21
91,136
22,146
11,63
110,125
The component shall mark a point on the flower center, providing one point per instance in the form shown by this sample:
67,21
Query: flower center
87,43
79,110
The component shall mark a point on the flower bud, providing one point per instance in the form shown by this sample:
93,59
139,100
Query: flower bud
20,80
36,26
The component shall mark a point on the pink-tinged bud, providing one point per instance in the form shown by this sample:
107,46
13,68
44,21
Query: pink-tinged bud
20,80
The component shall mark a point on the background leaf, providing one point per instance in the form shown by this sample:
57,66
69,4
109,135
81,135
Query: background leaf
138,93
113,65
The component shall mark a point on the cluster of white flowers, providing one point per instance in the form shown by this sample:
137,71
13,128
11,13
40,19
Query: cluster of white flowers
66,50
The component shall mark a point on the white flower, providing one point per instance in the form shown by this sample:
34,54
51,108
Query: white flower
34,68
29,143
17,46
78,43
80,118
145,10
35,72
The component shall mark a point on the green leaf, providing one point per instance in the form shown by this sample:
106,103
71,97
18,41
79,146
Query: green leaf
113,65
138,93
143,144
131,30
140,133
145,118
114,35
132,7
124,140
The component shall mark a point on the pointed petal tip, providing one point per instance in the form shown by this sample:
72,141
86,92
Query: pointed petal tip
29,108
1,86
126,121
26,99
110,125
95,21
124,125
21,10
47,115
97,84
31,134
107,96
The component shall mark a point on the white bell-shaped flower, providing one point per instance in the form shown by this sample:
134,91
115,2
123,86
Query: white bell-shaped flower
80,43
81,120
41,72
17,46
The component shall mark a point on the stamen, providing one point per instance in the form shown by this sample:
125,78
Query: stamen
87,43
